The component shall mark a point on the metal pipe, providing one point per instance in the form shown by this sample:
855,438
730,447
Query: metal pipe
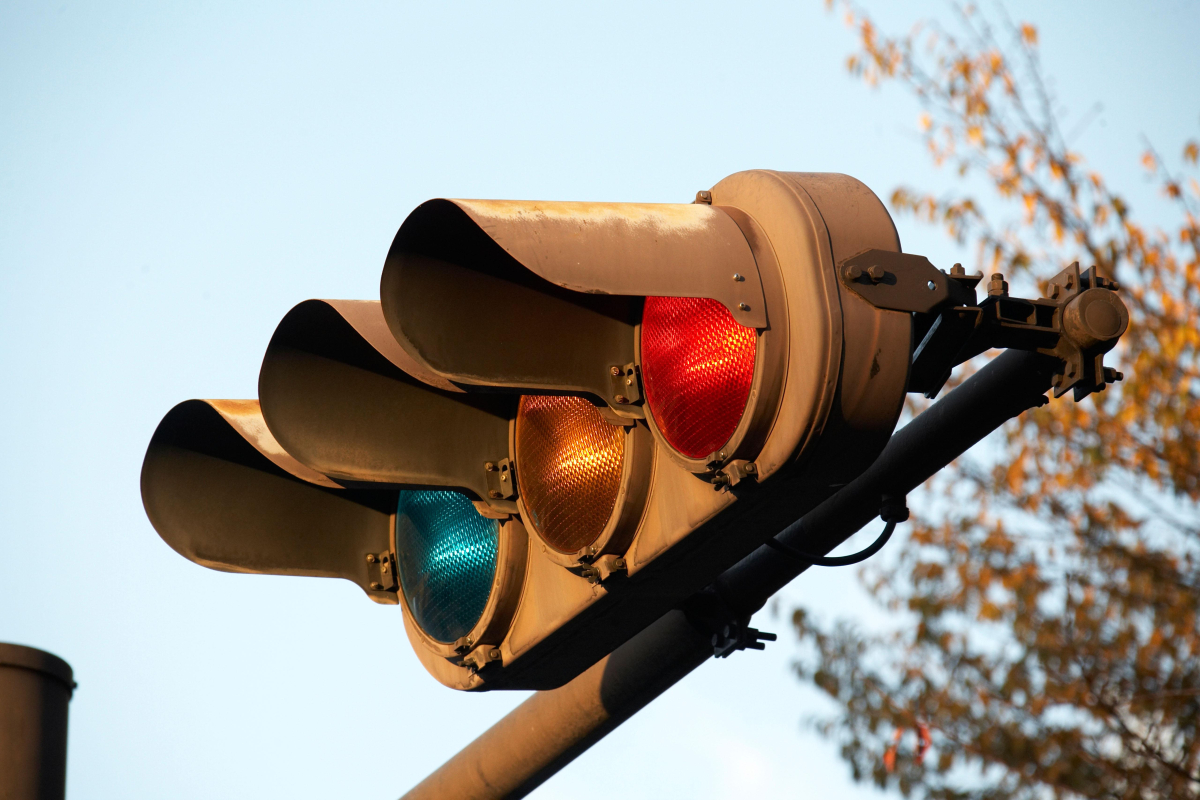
552,728
35,688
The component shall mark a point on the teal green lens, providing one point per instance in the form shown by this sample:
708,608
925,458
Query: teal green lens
447,560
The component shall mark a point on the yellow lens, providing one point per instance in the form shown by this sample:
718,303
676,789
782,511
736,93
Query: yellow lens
569,461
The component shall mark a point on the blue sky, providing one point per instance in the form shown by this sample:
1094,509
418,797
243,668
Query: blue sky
174,177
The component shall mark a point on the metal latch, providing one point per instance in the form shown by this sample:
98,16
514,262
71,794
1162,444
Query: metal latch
381,571
624,384
603,568
735,472
480,657
501,479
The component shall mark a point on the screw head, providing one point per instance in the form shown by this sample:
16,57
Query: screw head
614,370
371,558
376,585
621,399
494,494
489,466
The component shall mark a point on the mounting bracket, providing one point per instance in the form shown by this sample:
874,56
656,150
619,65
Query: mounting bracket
1078,323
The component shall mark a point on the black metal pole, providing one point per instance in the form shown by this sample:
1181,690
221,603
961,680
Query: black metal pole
35,689
552,728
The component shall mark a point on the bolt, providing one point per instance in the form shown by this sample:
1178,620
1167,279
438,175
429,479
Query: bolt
494,494
876,273
494,654
704,197
629,381
504,476
376,586
751,468
737,276
614,371
932,286
958,271
621,399
743,307
1055,291
371,559
618,563
997,287
489,466
854,273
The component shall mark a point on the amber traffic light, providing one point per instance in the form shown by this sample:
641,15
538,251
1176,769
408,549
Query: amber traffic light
561,418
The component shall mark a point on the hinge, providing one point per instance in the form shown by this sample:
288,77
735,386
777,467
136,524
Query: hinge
480,657
603,568
624,384
734,473
381,571
501,479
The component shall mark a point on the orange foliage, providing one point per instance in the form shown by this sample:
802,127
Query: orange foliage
1054,589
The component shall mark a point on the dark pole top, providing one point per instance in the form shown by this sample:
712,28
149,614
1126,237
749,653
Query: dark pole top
22,657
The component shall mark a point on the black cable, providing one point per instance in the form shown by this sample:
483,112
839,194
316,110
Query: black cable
837,560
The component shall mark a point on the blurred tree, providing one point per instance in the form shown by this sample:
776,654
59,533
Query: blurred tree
1050,592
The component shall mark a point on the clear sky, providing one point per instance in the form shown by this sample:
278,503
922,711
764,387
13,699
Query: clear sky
175,176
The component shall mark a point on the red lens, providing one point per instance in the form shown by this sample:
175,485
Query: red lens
697,366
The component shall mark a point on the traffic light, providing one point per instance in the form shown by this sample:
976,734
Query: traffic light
562,419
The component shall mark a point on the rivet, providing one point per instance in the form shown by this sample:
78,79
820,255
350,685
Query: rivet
614,370
494,494
489,466
504,476
743,307
371,558
377,586
737,276
932,286
621,399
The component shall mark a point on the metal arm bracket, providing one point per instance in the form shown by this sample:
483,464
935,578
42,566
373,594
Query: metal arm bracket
1078,323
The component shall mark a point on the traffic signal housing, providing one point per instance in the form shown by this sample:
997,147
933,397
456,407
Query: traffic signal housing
569,417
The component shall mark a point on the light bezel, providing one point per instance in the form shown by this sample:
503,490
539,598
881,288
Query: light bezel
637,465
512,553
770,367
